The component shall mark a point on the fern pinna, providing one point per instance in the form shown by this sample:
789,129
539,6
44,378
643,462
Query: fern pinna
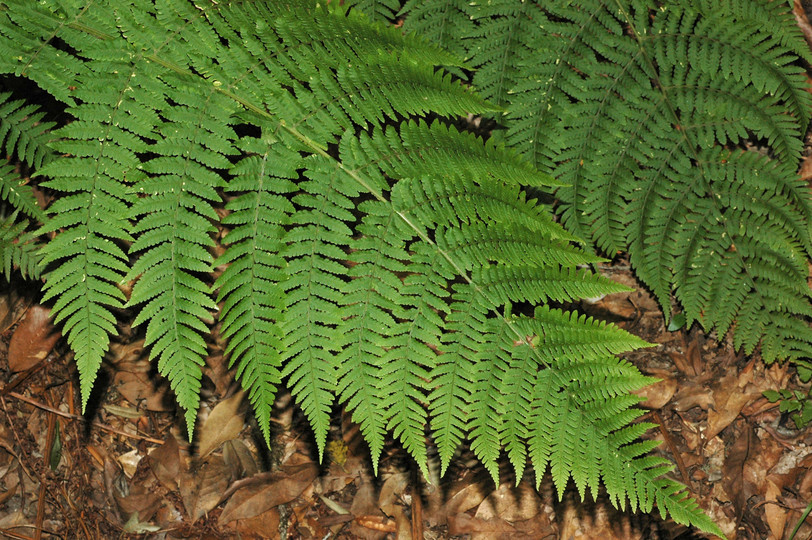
374,253
677,128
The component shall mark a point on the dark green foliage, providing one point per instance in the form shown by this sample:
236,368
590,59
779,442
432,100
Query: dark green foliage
373,254
677,128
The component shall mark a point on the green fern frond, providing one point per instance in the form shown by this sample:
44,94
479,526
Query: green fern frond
18,249
377,10
636,107
251,285
91,217
15,191
174,226
22,132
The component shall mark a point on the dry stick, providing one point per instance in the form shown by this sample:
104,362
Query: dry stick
417,504
49,446
99,425
670,443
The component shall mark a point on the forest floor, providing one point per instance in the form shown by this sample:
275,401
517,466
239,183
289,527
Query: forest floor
126,470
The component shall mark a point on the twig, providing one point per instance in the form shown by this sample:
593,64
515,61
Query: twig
70,416
670,443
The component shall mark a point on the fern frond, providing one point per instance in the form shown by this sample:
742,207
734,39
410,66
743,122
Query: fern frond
444,22
91,216
251,285
635,106
18,249
18,194
377,10
173,228
23,133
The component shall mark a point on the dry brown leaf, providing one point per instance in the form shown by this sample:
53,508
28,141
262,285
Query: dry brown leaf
201,489
261,526
33,340
467,497
6,318
140,500
730,395
239,459
277,488
692,395
223,424
776,515
392,491
510,503
689,362
377,523
658,394
496,528
165,463
138,389
733,471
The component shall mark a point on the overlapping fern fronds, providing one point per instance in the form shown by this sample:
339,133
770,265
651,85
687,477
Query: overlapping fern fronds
373,253
677,127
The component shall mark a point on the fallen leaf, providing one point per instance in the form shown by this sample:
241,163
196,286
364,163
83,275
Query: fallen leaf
202,489
129,462
775,514
733,471
510,503
223,424
277,488
730,395
656,395
165,463
138,389
377,523
239,460
33,340
140,500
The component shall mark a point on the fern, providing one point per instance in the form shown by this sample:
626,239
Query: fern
644,109
373,254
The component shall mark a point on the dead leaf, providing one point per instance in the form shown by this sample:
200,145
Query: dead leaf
377,523
129,462
140,500
33,340
465,524
260,526
165,463
510,503
689,362
201,489
138,389
733,471
277,488
239,460
223,424
776,515
658,394
730,396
